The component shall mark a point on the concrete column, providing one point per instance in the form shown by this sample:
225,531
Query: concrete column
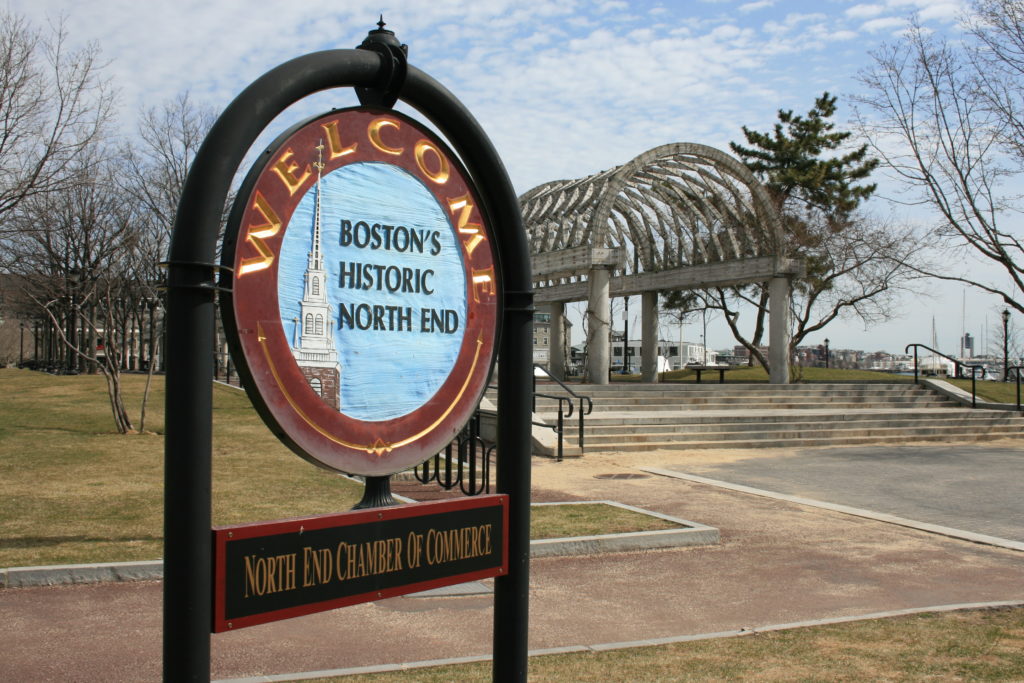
649,338
778,329
598,326
556,337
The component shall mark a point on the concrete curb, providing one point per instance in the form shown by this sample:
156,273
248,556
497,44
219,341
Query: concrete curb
605,647
845,509
66,574
691,534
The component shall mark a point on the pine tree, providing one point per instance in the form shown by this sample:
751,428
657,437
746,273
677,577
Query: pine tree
797,165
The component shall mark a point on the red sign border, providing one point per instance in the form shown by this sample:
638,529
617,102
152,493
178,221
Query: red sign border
274,382
222,535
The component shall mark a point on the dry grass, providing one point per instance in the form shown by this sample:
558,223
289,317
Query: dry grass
75,491
977,645
589,519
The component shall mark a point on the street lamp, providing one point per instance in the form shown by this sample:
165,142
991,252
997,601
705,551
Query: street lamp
826,353
1006,345
21,345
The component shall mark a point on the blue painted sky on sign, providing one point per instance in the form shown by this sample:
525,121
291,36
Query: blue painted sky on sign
564,88
385,373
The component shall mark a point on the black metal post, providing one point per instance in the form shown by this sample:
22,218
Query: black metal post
512,592
826,353
625,338
21,344
376,493
1006,344
190,334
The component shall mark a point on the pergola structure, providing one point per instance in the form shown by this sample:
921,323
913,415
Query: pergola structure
679,216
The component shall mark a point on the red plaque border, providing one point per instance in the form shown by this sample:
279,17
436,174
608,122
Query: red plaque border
254,237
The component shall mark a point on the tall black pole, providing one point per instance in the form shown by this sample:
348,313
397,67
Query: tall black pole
625,337
1006,345
515,356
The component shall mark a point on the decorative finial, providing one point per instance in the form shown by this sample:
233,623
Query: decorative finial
381,24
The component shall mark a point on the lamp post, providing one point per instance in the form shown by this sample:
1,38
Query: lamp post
1006,344
826,353
21,344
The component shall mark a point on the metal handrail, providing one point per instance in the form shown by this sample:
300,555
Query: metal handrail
956,369
581,412
559,427
1018,369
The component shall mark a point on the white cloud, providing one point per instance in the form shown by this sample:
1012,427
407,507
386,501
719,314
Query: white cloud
864,11
883,24
754,6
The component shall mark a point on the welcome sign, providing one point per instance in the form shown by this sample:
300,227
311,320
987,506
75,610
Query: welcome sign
364,293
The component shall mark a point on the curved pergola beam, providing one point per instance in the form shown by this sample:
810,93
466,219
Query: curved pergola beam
682,215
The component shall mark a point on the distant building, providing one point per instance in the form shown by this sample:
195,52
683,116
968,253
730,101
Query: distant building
542,339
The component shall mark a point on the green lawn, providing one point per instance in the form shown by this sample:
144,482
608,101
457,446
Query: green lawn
996,392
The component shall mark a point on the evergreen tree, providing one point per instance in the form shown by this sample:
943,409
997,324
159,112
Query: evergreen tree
853,266
796,164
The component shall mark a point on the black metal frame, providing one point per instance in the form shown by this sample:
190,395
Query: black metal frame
190,335
559,428
956,369
466,462
1016,372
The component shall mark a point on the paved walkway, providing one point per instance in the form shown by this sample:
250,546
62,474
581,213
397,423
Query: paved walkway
969,487
778,562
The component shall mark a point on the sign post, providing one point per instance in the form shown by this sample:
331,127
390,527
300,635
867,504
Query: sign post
445,278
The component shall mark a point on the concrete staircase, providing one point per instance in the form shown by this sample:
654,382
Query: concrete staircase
685,416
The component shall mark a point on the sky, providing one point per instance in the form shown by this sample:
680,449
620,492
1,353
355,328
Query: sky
564,88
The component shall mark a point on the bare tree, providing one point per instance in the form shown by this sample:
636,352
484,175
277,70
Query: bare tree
946,119
156,166
53,106
75,261
855,265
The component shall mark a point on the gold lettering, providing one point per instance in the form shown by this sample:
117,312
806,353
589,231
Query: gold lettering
285,170
441,175
289,572
252,576
334,145
474,231
257,235
316,566
483,281
373,131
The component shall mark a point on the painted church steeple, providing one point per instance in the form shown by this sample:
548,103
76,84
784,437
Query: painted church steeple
314,349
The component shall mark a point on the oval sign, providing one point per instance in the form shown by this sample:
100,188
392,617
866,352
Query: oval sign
365,295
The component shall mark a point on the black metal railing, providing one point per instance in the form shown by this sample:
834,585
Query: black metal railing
1016,372
465,462
958,369
586,406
